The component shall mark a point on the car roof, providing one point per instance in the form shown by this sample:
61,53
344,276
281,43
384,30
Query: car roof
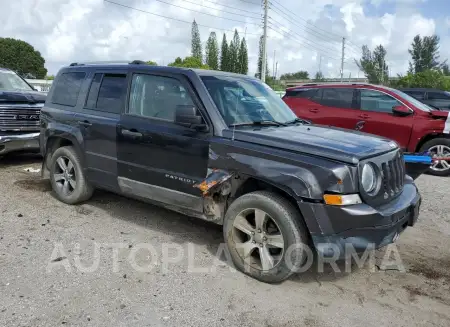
424,89
335,85
5,69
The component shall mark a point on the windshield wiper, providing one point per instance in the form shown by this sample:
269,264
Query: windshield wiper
298,120
260,123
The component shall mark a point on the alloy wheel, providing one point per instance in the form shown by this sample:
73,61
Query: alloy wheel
258,239
64,175
440,151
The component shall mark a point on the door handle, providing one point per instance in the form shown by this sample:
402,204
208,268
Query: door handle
85,123
314,110
132,133
364,116
359,125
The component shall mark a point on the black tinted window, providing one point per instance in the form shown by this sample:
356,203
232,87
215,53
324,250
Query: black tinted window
377,101
337,97
302,93
157,96
107,93
438,96
67,88
419,95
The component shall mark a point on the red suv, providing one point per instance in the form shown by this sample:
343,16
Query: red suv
378,110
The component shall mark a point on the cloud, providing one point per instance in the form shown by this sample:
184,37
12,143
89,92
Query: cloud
66,31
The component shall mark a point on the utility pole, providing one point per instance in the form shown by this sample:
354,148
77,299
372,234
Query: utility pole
264,54
274,55
320,64
276,70
342,59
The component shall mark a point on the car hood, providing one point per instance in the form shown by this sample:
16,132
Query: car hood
328,142
22,97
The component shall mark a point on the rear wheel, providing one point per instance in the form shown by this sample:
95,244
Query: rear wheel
438,148
266,236
67,176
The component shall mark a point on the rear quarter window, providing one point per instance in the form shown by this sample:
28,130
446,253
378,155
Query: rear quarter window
67,88
301,93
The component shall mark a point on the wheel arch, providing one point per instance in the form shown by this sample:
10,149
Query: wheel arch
430,137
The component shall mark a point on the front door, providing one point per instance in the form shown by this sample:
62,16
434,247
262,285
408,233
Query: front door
158,159
377,117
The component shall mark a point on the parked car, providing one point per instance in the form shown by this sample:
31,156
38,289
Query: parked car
225,148
378,110
438,99
20,106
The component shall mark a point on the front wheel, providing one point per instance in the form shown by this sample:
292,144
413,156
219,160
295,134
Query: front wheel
438,148
266,236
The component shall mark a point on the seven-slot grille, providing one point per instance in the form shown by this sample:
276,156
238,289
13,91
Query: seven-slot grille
393,176
19,118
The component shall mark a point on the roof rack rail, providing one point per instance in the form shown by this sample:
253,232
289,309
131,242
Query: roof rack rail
116,62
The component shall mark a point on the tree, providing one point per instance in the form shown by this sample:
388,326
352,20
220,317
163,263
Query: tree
293,76
374,64
188,62
212,52
260,59
319,77
424,54
22,58
151,63
196,45
50,77
431,78
445,69
224,54
243,58
234,53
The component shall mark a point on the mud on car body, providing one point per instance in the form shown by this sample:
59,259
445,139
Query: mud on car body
224,148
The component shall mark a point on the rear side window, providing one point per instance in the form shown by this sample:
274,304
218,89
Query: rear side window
337,97
107,93
301,93
438,96
67,88
419,95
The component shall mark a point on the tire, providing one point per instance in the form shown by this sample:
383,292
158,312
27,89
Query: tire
433,144
290,224
76,192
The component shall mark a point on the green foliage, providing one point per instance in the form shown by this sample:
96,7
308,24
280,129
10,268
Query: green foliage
276,85
445,69
196,45
295,76
374,64
233,52
212,52
260,59
50,77
188,62
151,63
428,79
224,58
243,58
319,77
22,58
424,54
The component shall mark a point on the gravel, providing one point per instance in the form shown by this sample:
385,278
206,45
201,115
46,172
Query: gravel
71,266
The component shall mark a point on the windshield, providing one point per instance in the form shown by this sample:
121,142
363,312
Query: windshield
414,101
243,100
10,81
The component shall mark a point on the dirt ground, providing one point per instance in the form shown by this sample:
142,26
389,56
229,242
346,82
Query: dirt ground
47,249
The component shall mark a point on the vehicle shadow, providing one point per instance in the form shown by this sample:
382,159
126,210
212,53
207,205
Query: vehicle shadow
18,159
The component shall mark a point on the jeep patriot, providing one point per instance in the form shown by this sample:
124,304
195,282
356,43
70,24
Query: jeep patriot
225,148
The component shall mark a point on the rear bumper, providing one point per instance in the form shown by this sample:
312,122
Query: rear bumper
19,142
339,231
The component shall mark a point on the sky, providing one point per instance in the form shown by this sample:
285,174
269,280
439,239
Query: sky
304,34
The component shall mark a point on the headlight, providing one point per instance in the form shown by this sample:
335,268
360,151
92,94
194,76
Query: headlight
368,178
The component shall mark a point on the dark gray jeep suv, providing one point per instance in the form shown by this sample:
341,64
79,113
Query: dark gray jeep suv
225,148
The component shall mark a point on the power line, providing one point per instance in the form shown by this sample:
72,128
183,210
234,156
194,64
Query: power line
317,45
293,16
303,44
226,6
224,11
175,19
252,2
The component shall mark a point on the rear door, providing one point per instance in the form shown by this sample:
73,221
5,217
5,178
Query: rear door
377,117
98,122
439,100
302,102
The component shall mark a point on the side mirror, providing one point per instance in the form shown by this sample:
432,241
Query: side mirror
401,110
186,115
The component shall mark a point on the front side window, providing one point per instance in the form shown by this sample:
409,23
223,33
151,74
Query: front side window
337,97
157,96
10,81
242,100
67,88
438,96
376,101
416,103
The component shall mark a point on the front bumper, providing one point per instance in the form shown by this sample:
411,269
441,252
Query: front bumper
19,142
337,231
